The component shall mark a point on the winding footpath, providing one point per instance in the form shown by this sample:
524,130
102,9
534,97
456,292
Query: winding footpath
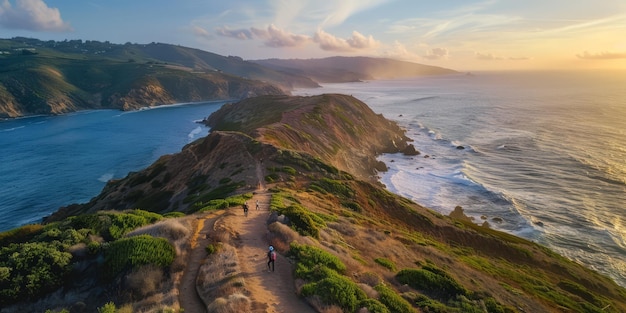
270,292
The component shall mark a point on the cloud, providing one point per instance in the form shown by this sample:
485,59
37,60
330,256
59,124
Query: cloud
34,15
276,37
272,36
201,32
493,57
242,34
437,53
605,55
358,41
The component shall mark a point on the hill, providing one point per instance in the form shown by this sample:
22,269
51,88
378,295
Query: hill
352,69
50,77
355,246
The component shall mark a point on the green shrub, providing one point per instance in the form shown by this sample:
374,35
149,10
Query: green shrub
335,187
173,214
353,206
301,220
131,252
386,263
29,270
310,257
112,225
431,281
373,306
107,308
394,302
20,234
338,290
212,248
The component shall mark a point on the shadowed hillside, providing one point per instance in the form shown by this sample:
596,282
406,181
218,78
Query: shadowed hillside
356,247
50,77
352,69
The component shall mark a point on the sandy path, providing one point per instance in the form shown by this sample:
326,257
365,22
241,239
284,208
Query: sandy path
270,291
188,297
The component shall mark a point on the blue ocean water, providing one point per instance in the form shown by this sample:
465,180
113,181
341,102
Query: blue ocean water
543,154
51,161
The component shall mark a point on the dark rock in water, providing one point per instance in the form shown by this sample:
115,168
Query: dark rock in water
539,223
497,220
380,166
459,214
426,156
410,150
460,148
486,224
483,217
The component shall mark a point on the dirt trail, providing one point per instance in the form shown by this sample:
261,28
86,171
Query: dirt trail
188,298
270,292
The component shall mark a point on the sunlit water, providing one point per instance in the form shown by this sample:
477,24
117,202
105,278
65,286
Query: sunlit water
545,153
51,161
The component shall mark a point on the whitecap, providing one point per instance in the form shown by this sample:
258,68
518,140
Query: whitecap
196,131
105,177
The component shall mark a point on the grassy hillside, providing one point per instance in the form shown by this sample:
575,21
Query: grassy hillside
52,77
354,244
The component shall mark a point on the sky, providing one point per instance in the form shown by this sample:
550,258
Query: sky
464,35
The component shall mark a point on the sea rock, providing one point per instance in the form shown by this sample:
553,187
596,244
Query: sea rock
410,150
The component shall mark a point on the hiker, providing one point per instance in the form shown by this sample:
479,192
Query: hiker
245,209
271,257
257,205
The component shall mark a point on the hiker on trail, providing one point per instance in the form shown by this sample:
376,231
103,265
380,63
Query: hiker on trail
257,205
245,208
271,257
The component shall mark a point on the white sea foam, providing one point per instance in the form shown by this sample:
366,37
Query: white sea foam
105,177
194,133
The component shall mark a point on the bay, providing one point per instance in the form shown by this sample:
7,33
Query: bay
51,161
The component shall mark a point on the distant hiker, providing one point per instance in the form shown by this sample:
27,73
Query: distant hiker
257,205
245,209
271,257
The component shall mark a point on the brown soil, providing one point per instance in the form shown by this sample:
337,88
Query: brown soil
270,292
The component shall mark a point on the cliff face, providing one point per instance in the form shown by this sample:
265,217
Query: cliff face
338,129
330,128
60,86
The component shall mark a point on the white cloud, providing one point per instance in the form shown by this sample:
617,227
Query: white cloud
437,53
34,15
358,41
276,37
605,55
242,34
488,57
272,36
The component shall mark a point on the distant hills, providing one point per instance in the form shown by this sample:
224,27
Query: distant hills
349,69
55,77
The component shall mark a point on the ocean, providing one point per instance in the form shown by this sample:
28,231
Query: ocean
51,161
541,155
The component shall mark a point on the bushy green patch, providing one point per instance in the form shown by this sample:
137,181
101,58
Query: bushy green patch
310,257
354,206
128,253
220,204
20,234
394,302
373,306
173,214
336,289
29,270
386,263
432,281
112,225
332,186
302,220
